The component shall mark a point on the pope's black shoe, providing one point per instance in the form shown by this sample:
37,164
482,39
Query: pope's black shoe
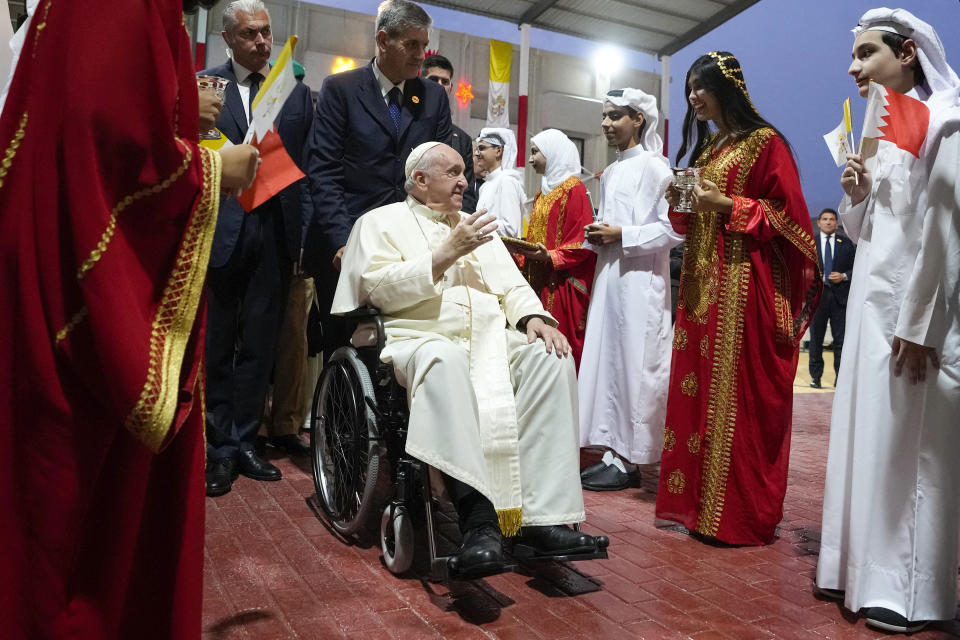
891,621
556,540
253,466
220,476
481,552
609,478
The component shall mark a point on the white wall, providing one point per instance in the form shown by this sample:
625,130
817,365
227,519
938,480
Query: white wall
564,90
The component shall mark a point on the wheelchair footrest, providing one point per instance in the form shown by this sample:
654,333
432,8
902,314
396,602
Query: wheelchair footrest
443,570
526,553
599,554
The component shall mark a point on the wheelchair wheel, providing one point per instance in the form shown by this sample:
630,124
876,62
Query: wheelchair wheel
348,467
396,538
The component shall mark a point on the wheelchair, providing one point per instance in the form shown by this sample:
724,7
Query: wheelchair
360,468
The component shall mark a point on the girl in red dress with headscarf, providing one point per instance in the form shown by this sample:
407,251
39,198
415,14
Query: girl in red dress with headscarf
560,270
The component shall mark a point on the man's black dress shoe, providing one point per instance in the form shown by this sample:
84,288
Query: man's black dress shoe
815,383
557,540
253,466
592,469
609,478
481,552
887,620
220,476
291,443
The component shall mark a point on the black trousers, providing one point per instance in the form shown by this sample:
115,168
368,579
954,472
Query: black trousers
830,310
245,300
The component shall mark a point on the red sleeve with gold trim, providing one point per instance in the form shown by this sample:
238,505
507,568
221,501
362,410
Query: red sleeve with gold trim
115,209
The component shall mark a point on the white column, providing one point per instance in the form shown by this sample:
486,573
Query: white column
522,102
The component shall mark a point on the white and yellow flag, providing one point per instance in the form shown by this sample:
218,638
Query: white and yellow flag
498,112
839,141
276,88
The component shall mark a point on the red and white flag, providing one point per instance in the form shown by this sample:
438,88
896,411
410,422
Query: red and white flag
277,171
896,118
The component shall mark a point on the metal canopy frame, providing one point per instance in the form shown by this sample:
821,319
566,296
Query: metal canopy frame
661,27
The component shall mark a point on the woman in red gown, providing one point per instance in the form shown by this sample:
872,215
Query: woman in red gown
560,270
747,290
107,210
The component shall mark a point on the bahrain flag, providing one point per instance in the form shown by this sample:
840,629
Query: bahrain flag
896,118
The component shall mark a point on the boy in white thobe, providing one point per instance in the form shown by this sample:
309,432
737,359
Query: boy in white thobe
625,367
891,512
501,193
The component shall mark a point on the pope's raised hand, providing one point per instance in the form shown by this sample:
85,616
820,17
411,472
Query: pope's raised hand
471,232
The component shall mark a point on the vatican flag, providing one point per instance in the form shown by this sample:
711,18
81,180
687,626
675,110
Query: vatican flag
276,88
498,114
837,143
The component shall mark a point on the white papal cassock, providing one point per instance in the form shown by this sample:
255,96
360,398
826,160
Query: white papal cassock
892,500
625,367
485,407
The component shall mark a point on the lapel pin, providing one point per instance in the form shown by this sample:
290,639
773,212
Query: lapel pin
415,99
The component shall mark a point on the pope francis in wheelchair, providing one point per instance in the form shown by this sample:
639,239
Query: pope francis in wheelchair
490,386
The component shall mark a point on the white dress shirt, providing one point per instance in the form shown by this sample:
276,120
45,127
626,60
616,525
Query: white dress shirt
243,83
385,83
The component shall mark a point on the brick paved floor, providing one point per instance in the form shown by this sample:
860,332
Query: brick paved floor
273,570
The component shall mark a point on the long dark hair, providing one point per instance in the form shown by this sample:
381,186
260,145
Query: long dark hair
736,110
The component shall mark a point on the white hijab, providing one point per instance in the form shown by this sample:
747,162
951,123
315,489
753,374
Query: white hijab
647,105
508,162
563,159
942,86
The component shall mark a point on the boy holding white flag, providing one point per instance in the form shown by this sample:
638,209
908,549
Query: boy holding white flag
891,518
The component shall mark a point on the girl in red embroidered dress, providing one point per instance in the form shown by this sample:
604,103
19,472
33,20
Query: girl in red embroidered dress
747,291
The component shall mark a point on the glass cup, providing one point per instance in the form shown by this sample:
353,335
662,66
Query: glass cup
218,86
684,180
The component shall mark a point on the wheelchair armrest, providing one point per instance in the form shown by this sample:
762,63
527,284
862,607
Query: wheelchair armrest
362,312
364,316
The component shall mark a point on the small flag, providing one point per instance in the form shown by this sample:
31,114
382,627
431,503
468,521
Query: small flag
277,171
847,121
896,118
276,88
498,114
837,143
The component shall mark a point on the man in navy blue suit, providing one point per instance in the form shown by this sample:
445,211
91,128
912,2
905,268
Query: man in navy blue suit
368,121
253,256
836,254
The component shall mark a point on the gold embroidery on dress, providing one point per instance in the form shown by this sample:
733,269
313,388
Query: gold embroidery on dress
41,26
679,339
733,286
669,439
74,321
722,404
689,385
676,482
540,274
783,316
693,443
152,416
107,235
705,346
11,151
